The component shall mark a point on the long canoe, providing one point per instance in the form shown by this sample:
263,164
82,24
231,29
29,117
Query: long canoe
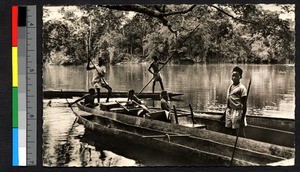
280,131
50,94
274,130
202,147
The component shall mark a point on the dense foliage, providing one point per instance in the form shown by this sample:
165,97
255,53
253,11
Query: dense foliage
224,34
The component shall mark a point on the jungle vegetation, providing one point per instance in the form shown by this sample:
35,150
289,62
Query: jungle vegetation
229,33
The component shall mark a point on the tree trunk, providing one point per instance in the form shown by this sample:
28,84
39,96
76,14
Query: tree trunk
205,55
131,47
87,47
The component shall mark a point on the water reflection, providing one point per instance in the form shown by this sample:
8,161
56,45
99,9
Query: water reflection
204,86
143,156
63,144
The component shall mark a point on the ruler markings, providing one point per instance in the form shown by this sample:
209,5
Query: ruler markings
31,84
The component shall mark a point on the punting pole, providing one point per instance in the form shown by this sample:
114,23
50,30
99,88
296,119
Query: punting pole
238,130
185,39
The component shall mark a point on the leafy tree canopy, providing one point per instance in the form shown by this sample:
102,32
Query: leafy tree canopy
234,33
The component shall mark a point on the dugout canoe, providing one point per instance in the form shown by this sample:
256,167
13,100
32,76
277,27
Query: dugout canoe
202,147
280,131
50,94
274,130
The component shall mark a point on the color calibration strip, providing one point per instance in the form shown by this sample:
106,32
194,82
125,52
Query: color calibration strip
24,85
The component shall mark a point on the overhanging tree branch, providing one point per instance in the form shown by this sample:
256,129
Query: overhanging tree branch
180,12
161,14
156,12
257,24
231,16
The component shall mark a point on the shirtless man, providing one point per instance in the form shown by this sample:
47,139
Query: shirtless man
155,67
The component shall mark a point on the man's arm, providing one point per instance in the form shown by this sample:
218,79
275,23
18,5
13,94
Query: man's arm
135,98
78,100
165,106
149,69
161,62
244,102
88,65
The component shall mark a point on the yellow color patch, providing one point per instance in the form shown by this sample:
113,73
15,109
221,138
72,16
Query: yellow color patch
15,66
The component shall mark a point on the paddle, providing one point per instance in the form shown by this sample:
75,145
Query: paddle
69,104
241,122
142,106
122,106
170,57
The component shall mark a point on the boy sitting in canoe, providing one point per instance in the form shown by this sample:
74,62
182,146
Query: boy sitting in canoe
236,101
133,100
88,99
132,97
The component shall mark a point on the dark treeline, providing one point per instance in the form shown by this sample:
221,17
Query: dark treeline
226,34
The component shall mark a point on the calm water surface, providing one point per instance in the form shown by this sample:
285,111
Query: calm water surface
204,86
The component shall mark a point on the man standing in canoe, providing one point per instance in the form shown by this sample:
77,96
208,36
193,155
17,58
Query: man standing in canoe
236,101
155,67
98,77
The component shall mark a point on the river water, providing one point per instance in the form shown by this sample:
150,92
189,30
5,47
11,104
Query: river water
272,93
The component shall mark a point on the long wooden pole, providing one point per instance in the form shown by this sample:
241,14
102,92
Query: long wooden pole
237,133
94,66
170,57
167,135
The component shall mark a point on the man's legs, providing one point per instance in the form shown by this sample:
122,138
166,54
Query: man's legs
109,93
236,121
153,86
161,85
98,94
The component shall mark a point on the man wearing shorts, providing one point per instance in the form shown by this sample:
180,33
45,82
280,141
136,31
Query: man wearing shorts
98,78
236,101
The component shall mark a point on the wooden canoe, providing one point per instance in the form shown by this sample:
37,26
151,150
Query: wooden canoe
274,130
50,94
280,131
202,147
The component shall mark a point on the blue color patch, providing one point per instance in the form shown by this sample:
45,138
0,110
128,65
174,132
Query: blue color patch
15,150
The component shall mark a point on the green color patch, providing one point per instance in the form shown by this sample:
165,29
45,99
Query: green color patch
15,107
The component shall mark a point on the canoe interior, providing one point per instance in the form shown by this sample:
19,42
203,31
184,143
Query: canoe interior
210,148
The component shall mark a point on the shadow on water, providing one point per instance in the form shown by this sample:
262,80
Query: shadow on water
144,156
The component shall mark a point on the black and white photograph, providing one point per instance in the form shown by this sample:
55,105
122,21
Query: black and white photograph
147,85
